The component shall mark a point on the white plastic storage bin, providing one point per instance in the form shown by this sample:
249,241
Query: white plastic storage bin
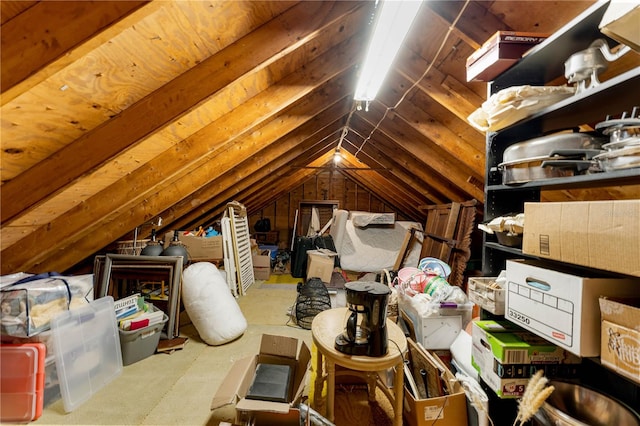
435,325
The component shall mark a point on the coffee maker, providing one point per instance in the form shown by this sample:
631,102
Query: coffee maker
366,329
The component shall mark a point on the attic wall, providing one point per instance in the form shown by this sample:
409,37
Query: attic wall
617,192
326,185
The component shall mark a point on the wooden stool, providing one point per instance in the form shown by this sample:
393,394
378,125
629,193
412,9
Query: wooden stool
324,329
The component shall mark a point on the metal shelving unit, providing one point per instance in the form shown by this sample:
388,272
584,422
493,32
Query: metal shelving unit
620,94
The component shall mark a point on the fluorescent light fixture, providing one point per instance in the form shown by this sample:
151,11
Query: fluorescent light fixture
392,25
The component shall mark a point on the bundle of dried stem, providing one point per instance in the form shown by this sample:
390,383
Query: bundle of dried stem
534,396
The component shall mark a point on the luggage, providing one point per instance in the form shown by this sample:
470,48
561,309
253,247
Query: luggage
299,256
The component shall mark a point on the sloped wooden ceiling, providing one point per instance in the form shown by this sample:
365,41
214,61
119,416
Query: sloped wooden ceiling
115,112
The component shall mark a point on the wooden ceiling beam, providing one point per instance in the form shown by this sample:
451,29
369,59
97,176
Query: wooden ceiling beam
257,171
257,81
407,168
436,132
475,25
373,181
160,108
457,98
397,192
424,150
444,117
400,168
292,179
276,68
165,176
31,52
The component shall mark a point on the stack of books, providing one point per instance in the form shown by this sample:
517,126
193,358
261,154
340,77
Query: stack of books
133,313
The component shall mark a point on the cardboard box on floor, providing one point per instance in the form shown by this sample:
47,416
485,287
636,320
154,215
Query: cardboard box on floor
280,350
596,234
620,336
445,410
261,267
320,264
199,248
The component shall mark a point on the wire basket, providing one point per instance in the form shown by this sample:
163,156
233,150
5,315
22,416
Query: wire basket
127,247
313,298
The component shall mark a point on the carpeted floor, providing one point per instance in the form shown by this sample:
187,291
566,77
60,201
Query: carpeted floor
338,279
177,388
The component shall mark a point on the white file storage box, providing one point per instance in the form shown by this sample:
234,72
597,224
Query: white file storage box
561,306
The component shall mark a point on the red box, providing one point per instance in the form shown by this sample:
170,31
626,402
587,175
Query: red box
499,53
21,381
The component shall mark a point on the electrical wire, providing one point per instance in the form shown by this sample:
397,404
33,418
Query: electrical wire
426,71
345,129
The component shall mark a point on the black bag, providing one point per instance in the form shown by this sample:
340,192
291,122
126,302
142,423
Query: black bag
263,225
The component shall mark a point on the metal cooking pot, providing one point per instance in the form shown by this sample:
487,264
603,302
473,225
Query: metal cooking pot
557,155
617,159
574,405
555,144
527,171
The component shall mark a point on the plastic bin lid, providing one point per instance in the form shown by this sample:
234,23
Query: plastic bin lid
87,349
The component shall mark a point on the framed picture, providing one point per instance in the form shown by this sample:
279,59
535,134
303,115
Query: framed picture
157,278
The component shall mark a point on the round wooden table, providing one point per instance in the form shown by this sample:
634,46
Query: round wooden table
324,329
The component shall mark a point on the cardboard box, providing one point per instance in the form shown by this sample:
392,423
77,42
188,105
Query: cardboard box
261,267
278,350
561,305
499,53
444,410
506,356
509,344
596,234
320,264
620,336
620,22
199,248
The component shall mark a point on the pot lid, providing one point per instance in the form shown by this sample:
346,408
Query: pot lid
610,125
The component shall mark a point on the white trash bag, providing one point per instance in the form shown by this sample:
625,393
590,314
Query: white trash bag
211,306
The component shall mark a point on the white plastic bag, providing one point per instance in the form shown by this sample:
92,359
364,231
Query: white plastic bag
515,103
211,306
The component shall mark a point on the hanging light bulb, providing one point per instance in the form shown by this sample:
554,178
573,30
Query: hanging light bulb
336,156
